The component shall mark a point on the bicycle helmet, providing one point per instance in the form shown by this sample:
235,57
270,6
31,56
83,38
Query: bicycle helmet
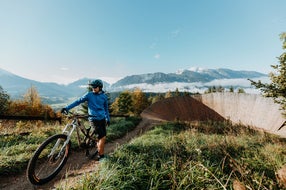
96,83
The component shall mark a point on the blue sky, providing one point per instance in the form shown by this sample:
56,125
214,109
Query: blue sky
64,40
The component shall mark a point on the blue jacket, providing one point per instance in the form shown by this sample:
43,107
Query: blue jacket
97,105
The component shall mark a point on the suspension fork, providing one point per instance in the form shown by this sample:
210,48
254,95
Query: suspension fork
68,133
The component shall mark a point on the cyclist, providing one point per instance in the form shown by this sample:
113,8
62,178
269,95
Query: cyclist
97,109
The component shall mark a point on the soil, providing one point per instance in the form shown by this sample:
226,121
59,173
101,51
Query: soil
183,108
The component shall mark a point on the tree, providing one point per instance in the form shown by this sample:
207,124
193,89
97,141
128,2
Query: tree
140,101
156,98
4,101
32,97
240,90
114,107
177,92
168,94
30,105
231,89
125,103
220,89
277,87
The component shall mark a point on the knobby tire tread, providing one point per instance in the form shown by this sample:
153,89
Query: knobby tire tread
32,163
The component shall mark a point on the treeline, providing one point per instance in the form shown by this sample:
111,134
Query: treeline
122,103
126,103
214,89
29,105
135,101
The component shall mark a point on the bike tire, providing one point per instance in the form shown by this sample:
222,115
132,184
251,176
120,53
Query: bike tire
92,151
42,168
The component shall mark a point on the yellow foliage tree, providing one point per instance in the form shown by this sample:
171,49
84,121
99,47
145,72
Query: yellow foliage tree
140,101
30,105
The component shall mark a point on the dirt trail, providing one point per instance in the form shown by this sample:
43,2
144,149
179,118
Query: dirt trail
77,164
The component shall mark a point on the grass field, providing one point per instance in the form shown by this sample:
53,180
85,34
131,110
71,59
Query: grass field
202,155
173,155
18,140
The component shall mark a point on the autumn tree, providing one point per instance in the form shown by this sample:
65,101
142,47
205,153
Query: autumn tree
4,101
168,94
114,106
32,97
125,103
30,105
276,89
156,98
140,101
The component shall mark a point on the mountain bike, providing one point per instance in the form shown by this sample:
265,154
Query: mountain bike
51,156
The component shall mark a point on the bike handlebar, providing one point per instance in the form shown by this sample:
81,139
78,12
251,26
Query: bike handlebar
77,115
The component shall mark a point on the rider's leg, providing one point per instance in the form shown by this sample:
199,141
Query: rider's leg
101,129
100,146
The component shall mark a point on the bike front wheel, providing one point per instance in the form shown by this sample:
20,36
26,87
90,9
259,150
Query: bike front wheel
48,159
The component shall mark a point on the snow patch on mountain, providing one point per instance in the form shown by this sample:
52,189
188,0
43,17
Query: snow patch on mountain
197,69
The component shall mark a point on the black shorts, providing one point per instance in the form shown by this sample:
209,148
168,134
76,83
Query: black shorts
100,127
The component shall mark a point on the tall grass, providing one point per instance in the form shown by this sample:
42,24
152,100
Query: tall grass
205,155
18,146
23,138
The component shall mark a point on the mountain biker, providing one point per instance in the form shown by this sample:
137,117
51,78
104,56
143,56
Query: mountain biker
97,110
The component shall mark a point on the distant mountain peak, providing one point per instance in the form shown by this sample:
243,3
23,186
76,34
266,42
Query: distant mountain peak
193,69
196,69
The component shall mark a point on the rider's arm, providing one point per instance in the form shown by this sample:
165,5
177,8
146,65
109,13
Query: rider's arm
106,110
77,102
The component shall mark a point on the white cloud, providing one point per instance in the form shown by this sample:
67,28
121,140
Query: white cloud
229,82
195,87
157,56
64,68
175,33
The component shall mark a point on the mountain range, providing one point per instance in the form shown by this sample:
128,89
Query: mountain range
192,80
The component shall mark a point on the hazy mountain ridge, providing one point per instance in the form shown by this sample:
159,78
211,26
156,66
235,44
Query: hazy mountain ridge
187,80
186,76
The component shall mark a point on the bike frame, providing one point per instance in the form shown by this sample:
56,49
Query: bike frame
43,167
74,124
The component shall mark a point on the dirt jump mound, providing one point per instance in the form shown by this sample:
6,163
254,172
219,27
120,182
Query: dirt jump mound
183,108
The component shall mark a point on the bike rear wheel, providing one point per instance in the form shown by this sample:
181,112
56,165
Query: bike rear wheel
48,159
91,142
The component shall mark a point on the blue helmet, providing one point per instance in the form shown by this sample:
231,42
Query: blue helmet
96,83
